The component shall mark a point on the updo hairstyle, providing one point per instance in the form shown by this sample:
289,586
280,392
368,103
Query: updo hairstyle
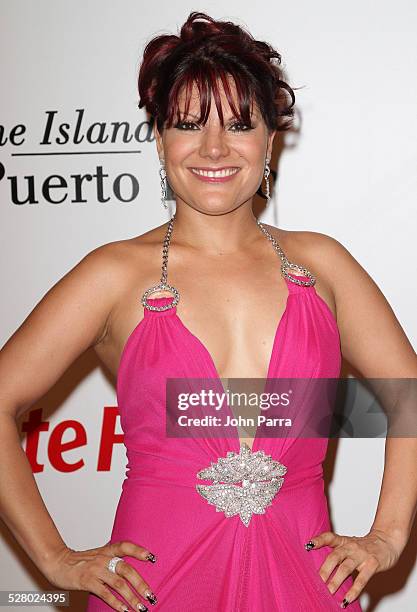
207,50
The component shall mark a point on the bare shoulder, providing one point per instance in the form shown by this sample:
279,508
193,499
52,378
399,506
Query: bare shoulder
71,317
325,256
122,263
316,252
329,260
301,245
372,338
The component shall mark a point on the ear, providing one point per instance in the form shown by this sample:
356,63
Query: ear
271,137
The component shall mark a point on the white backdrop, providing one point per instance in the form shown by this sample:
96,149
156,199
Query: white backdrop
348,171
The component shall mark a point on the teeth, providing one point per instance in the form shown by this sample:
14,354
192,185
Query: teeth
217,173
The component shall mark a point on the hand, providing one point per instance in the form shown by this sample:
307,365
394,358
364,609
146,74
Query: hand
87,570
375,552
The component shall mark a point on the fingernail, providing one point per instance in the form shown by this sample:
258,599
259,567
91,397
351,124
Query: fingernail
309,545
142,607
151,597
345,603
150,557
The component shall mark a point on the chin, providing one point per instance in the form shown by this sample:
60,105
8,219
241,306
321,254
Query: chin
216,208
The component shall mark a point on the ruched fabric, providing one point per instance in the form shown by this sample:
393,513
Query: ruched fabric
205,560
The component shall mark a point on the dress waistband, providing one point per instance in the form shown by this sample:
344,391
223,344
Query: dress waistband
146,468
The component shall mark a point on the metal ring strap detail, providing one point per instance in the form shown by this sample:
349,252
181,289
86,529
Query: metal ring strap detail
160,287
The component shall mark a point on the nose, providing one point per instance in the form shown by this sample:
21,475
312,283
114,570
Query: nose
213,143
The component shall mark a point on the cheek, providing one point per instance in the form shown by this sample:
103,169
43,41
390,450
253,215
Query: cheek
178,151
251,148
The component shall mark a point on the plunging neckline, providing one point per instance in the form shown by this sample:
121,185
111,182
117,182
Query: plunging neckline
210,360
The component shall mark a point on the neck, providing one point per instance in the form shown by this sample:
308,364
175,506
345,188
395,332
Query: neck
215,233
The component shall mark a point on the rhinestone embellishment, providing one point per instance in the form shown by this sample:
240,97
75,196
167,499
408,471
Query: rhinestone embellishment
260,475
157,289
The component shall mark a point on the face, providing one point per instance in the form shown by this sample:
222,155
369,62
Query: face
212,168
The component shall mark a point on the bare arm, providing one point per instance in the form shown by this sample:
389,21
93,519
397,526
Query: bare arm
69,319
72,316
374,342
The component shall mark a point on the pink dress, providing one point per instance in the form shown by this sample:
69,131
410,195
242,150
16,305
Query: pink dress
205,560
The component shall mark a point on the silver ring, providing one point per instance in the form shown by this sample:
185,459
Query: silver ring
112,564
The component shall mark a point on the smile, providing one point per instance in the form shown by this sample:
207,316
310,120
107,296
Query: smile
222,174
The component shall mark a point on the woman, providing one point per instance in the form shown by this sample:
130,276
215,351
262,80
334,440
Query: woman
174,544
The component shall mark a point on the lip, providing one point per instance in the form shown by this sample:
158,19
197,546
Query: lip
214,179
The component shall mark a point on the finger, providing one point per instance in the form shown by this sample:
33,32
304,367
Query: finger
125,548
103,591
343,571
368,570
121,586
140,585
327,538
131,549
332,560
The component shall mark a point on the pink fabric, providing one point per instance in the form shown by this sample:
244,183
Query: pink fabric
206,561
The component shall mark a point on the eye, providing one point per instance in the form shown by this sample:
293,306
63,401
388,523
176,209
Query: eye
242,127
180,125
238,127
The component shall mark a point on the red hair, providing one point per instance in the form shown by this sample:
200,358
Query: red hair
204,52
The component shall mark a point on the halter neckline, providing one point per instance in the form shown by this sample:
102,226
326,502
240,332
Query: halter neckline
163,285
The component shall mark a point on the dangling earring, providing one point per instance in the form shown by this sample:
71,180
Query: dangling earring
267,172
163,175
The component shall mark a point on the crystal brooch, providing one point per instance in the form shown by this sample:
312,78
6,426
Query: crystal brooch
260,477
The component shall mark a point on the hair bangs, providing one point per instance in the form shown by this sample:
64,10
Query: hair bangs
207,79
